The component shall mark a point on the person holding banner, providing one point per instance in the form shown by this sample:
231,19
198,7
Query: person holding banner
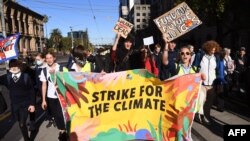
22,95
49,94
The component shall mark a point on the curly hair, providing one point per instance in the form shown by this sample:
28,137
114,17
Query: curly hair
208,46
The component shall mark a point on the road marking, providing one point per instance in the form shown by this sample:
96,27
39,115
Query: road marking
2,117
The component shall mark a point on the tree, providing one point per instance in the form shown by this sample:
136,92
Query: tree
56,38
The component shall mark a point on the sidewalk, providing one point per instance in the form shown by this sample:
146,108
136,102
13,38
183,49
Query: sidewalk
214,132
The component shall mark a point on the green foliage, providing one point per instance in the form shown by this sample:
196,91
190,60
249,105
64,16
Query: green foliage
209,11
152,131
56,38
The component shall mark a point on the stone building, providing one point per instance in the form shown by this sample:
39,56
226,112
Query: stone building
20,19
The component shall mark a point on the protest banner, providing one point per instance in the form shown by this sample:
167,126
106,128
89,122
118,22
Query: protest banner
148,41
177,22
128,105
8,48
123,27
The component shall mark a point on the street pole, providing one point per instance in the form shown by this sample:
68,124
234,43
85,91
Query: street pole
72,39
2,18
40,39
3,27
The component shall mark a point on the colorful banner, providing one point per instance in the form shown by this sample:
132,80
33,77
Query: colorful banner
8,49
177,22
128,105
123,27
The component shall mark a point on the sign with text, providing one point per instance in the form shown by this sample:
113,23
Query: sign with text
123,27
8,48
128,105
177,22
148,41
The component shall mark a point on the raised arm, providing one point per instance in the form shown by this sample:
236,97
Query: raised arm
116,42
165,52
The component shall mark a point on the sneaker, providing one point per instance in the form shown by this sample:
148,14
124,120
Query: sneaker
49,124
63,136
205,121
197,118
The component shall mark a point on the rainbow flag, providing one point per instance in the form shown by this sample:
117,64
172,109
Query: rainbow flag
128,105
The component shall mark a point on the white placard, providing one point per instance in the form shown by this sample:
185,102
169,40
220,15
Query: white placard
148,41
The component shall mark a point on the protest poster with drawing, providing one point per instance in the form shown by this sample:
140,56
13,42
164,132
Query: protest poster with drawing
123,27
177,22
8,48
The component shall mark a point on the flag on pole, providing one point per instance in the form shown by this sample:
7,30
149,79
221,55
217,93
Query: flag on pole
8,48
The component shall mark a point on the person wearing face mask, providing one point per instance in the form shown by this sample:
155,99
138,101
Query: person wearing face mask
80,60
22,95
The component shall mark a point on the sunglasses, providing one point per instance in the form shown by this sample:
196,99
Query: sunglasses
187,53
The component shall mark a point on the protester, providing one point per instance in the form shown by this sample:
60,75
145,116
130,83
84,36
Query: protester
209,65
124,56
102,60
49,95
79,56
148,61
22,95
241,66
157,55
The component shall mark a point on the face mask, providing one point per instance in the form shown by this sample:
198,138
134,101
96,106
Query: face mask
39,63
79,62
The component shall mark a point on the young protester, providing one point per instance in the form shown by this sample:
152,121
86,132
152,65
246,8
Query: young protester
22,94
124,56
49,95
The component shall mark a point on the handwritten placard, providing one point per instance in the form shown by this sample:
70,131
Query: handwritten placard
148,41
123,27
177,22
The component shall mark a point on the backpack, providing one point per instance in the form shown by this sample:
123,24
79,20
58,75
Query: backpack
45,70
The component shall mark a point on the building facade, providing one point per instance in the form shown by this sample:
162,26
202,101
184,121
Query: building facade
20,19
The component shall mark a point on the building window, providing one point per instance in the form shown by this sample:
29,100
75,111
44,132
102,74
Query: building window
144,20
137,8
137,20
137,14
143,14
138,26
144,8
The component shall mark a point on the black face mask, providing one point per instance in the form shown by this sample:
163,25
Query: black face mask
80,62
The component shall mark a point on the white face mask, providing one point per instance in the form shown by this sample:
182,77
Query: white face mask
15,70
39,62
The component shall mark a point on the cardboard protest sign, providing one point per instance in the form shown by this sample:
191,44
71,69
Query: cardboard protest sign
127,105
148,41
123,27
177,21
8,48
